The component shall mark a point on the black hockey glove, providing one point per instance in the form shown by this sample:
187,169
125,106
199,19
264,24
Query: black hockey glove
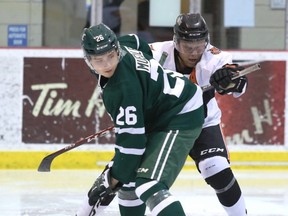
222,81
101,189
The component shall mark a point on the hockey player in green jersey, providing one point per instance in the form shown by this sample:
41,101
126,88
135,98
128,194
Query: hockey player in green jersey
157,116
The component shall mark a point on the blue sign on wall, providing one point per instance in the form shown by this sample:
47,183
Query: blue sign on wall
17,35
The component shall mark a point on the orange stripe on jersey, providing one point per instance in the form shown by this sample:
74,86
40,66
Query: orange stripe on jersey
192,76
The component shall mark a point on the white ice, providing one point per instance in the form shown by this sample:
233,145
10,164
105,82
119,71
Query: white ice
60,193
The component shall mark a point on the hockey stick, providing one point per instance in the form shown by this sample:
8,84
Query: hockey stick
163,58
247,70
47,161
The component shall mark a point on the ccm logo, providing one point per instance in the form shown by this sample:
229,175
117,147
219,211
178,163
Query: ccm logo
211,150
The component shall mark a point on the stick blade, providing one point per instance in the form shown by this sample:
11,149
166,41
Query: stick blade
45,164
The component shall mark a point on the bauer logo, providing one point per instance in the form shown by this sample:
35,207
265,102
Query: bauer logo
61,102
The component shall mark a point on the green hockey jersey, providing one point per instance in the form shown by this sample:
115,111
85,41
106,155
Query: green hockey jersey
142,98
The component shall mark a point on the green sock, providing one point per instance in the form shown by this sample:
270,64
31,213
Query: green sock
133,211
173,209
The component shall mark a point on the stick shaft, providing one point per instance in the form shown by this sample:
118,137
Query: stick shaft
163,58
47,161
247,70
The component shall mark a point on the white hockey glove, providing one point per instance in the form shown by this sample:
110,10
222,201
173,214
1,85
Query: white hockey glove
222,81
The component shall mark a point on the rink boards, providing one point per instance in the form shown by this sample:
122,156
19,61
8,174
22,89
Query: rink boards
30,118
98,159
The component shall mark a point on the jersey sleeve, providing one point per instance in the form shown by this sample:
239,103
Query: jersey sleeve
226,58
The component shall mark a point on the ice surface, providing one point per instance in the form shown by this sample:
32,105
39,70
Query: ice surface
60,193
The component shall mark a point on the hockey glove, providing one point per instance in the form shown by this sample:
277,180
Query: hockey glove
102,189
222,81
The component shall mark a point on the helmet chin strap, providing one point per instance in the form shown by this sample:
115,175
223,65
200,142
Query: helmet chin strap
102,81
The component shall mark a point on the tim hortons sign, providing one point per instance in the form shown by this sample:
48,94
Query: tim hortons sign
61,102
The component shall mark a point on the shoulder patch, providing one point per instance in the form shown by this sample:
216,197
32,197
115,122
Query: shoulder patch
215,50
